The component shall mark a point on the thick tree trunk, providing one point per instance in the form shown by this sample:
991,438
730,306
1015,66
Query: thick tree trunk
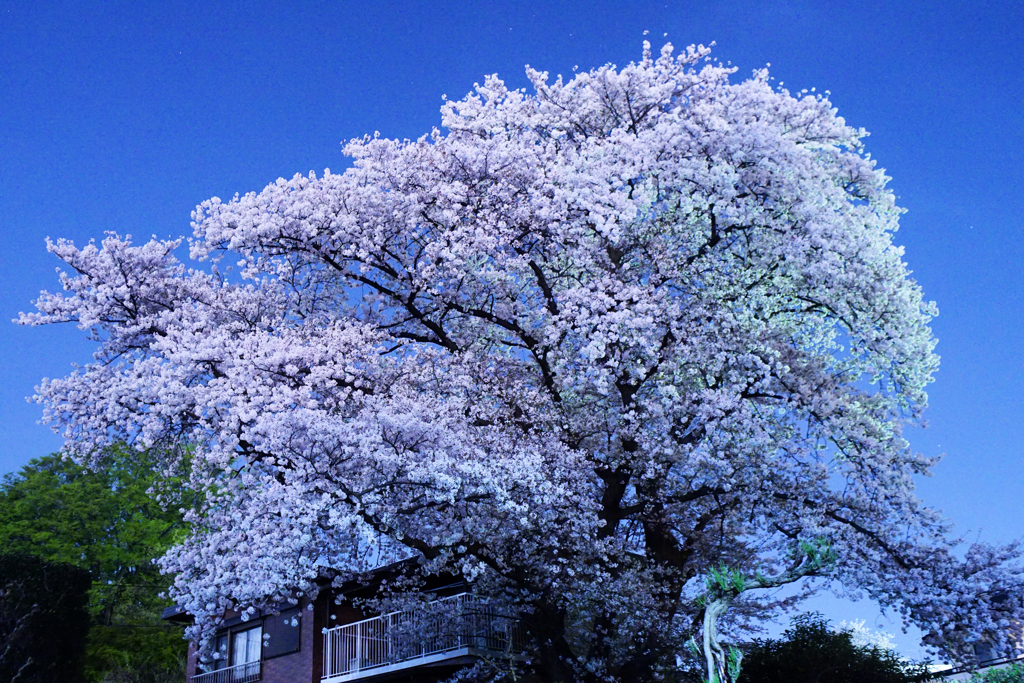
554,657
715,655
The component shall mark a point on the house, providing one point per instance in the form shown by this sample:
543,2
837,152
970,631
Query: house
331,640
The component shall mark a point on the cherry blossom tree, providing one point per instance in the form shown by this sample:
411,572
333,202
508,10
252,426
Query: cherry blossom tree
630,351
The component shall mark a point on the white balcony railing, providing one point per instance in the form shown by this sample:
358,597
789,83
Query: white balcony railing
444,629
241,673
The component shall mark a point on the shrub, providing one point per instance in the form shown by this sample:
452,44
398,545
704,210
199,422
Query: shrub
811,652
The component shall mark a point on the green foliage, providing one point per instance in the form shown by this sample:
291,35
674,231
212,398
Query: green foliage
725,580
44,620
819,551
733,663
108,524
811,652
1007,674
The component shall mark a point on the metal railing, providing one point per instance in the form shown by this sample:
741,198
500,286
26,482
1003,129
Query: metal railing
240,673
458,622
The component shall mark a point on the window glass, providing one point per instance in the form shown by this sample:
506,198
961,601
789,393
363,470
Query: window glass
281,633
220,655
245,646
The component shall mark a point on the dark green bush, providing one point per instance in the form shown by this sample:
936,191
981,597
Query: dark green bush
811,652
44,620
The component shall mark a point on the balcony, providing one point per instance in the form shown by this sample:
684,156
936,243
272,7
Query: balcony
241,673
446,630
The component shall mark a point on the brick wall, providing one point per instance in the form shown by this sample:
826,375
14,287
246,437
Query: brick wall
302,666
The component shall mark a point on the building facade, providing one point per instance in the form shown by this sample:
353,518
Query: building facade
330,639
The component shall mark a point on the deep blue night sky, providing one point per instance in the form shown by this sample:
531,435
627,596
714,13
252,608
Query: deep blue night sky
124,115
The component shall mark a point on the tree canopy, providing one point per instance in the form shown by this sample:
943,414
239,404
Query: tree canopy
107,523
811,652
629,351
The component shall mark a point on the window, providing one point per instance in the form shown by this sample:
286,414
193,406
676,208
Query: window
238,656
281,633
246,646
220,656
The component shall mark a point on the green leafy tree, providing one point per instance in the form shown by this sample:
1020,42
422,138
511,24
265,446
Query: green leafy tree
811,652
1007,674
110,524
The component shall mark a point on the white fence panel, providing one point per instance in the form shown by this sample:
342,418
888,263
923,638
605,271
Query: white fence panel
242,673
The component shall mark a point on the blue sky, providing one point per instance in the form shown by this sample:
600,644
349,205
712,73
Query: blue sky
124,115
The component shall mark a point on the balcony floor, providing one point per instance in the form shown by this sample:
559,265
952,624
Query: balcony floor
449,657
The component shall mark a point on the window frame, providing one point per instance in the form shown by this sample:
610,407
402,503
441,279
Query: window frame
248,645
281,619
227,636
